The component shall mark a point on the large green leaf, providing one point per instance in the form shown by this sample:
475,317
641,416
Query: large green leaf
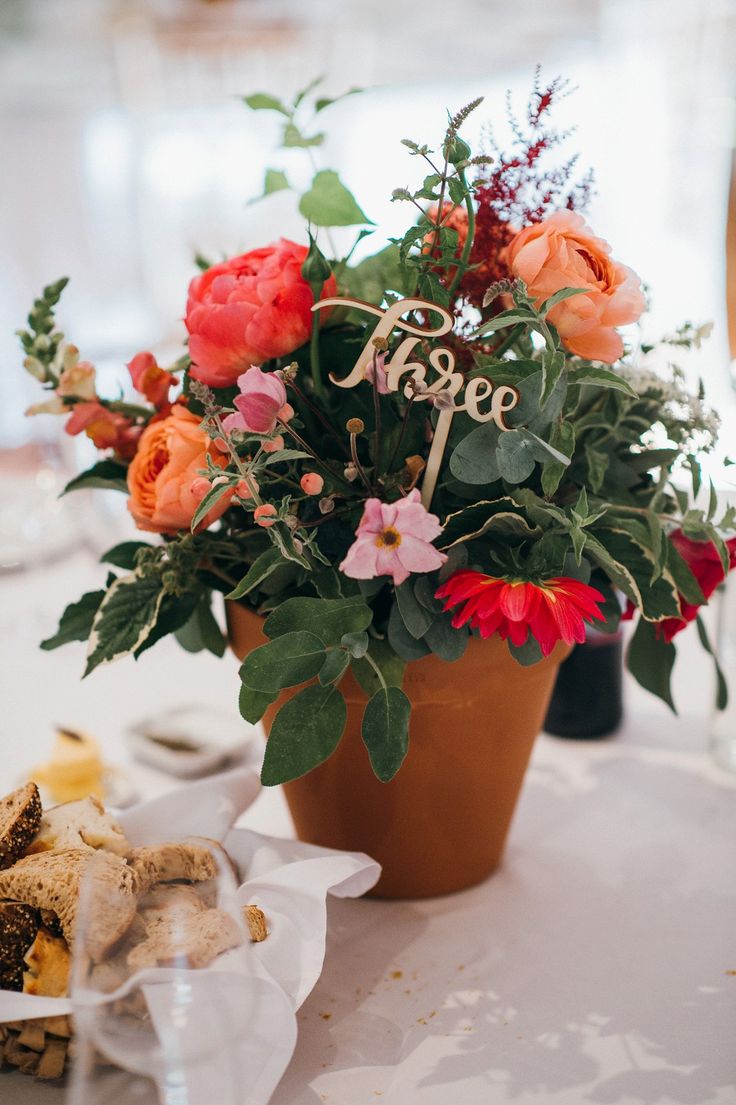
415,617
261,568
658,599
515,456
335,666
202,631
329,203
502,516
284,662
601,377
305,732
385,731
650,660
262,101
447,643
253,704
474,458
126,616
124,554
329,619
106,474
721,684
76,621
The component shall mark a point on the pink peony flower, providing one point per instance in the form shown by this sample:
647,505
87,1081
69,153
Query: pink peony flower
311,483
261,401
248,310
394,539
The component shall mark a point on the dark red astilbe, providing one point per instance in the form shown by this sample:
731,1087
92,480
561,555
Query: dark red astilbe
519,191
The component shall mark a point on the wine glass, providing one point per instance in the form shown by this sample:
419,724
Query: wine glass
161,1007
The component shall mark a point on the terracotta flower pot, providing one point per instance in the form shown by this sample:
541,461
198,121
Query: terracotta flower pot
441,823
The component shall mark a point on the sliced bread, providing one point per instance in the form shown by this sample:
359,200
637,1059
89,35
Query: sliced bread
53,880
20,819
155,863
18,927
81,824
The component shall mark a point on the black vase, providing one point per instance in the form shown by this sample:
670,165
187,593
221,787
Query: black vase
588,697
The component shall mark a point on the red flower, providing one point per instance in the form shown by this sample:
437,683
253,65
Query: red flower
704,562
107,429
248,310
553,610
150,379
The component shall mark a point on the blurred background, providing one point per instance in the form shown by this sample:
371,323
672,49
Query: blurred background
126,148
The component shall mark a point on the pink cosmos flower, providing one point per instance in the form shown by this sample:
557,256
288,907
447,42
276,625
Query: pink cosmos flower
394,539
261,402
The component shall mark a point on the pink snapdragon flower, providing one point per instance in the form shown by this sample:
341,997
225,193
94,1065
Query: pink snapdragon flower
394,539
375,372
261,402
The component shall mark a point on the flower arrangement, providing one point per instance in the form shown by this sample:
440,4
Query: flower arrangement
318,456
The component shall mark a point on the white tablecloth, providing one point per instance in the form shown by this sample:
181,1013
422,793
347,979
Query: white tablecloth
599,965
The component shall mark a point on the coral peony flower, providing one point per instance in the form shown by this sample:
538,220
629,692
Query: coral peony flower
311,483
248,310
394,539
562,252
265,515
164,478
553,610
105,428
261,402
150,379
704,562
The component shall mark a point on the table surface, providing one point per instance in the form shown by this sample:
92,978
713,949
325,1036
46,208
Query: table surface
598,965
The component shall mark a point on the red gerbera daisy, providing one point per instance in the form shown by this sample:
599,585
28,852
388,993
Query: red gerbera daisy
553,610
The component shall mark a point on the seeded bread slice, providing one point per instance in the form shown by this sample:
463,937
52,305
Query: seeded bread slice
20,819
53,880
19,924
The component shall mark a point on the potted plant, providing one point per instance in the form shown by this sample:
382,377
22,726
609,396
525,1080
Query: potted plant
415,478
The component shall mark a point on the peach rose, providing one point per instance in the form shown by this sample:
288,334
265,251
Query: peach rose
164,477
562,252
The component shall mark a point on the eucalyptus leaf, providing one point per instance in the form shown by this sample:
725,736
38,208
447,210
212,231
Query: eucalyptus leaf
253,704
284,662
473,460
334,667
415,617
329,619
390,665
401,640
515,457
305,732
385,731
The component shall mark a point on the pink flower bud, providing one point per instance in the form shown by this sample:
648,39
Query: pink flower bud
311,483
245,489
265,515
273,445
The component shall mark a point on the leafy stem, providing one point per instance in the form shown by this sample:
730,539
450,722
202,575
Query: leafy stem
465,255
367,656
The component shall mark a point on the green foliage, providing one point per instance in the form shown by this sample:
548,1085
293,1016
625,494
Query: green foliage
385,731
650,660
284,662
76,621
328,619
329,203
125,618
305,732
106,474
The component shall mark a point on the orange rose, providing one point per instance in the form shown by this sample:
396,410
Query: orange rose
562,252
164,477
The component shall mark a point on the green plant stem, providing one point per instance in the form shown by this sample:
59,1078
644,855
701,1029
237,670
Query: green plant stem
465,255
376,415
356,462
404,424
314,365
286,428
318,414
237,460
515,334
376,669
